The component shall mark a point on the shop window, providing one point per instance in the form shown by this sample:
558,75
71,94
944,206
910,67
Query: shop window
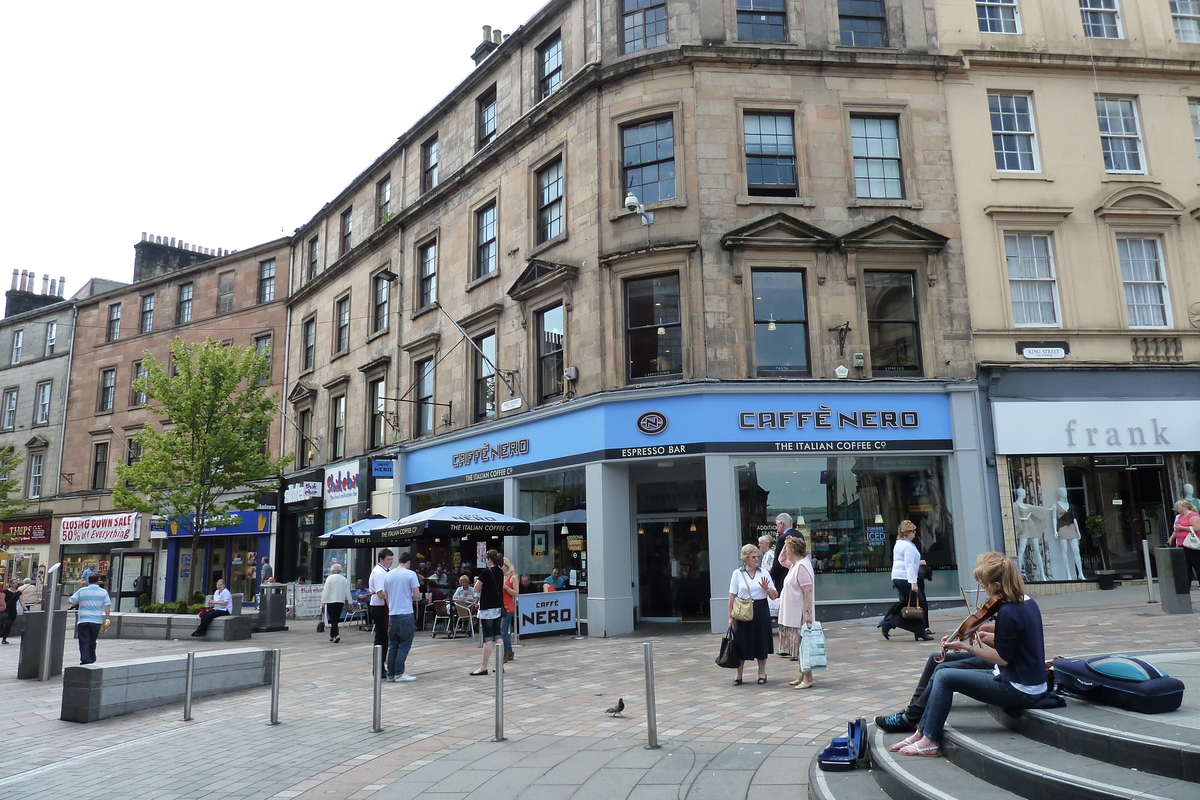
556,506
1031,279
644,23
762,20
423,376
653,327
1144,281
840,499
780,323
892,323
770,155
550,336
485,376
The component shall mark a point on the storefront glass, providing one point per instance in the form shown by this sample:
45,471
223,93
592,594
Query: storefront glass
851,508
556,507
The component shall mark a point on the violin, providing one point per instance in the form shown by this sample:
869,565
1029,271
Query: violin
971,625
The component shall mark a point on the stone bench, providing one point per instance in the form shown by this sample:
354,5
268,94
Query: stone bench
127,625
97,691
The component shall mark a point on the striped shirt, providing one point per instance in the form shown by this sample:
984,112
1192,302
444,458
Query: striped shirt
91,600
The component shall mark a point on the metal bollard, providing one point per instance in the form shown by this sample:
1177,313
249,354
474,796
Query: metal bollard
651,714
499,737
377,710
1149,575
277,653
187,686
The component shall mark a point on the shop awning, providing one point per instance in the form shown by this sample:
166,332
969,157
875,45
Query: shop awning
356,534
449,521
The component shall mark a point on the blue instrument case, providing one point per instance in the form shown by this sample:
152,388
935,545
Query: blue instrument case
1118,680
847,752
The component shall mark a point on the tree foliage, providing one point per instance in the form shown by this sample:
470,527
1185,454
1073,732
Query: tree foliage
212,448
10,484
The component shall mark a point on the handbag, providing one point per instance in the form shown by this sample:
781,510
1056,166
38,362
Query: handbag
743,607
1191,541
913,610
728,657
812,647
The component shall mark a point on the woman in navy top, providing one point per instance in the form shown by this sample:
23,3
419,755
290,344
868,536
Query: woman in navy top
1018,652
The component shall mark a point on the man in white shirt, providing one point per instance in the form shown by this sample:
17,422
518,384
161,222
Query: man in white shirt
401,588
94,608
377,608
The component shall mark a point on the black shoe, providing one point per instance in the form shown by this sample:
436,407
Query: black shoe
896,723
922,637
887,632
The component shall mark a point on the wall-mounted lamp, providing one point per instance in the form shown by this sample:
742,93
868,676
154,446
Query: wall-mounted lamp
662,331
771,323
564,530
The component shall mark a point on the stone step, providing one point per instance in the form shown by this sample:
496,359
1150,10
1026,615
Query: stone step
976,744
857,784
914,778
1162,744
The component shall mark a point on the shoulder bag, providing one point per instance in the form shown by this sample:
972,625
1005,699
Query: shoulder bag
1191,541
727,658
913,610
743,607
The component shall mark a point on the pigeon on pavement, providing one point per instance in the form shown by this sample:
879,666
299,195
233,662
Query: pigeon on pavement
617,709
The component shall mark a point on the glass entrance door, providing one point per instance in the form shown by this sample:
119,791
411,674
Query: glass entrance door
673,568
1135,508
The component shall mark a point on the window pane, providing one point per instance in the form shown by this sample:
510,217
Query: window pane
649,160
997,16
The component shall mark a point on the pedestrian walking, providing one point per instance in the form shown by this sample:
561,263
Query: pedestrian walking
491,604
906,563
10,606
401,589
335,597
377,608
94,608
507,620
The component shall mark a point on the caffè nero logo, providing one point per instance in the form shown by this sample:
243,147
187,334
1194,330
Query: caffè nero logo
652,422
826,418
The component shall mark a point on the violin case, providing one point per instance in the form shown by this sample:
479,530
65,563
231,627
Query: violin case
848,752
1118,680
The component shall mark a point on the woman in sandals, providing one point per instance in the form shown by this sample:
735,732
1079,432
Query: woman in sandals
488,588
796,604
1018,653
753,637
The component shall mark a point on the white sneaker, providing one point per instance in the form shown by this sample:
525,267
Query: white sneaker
406,677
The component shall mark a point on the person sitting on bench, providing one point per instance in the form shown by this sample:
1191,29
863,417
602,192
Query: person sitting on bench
222,607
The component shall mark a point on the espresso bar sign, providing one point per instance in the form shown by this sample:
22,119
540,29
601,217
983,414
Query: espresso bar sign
826,418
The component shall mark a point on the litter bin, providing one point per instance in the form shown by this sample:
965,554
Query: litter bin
1173,584
1107,578
33,645
272,607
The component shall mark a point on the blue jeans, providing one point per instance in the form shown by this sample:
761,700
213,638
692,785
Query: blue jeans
87,633
506,625
401,630
954,660
978,684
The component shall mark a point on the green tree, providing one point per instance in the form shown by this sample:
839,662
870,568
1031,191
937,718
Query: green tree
10,485
211,452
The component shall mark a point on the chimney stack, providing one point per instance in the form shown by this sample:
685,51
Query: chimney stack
491,40
45,283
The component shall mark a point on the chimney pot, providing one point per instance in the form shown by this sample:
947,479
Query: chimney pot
487,33
53,288
496,36
506,36
172,241
45,283
143,236
62,285
14,283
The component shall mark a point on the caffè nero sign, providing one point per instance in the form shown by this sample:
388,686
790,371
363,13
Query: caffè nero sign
1025,427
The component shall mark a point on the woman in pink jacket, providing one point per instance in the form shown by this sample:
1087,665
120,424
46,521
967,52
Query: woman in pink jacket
1187,520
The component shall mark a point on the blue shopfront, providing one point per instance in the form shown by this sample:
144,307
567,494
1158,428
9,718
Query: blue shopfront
231,553
644,502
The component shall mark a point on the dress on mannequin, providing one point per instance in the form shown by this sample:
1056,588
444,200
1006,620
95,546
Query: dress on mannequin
1067,533
1030,522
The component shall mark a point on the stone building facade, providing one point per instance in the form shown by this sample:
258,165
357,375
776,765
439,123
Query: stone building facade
234,297
650,275
1076,148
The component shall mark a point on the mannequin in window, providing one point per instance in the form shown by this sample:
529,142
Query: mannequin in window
1030,522
1066,530
1188,489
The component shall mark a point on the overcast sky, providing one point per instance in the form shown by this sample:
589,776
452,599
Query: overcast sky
223,124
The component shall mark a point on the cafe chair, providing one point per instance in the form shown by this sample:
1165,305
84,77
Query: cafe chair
440,611
465,617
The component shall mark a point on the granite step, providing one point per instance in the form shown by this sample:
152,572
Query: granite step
1162,744
1004,758
857,784
913,778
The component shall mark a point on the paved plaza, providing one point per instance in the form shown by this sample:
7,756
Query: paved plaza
718,741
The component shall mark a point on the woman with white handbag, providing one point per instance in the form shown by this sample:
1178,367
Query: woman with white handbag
1187,535
797,607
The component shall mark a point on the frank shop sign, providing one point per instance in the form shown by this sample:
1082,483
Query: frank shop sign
547,612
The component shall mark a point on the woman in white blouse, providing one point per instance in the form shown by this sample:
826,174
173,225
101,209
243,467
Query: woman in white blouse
753,637
906,561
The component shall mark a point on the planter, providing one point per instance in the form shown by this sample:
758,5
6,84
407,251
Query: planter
1107,578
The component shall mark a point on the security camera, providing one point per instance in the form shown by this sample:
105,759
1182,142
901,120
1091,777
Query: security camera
631,202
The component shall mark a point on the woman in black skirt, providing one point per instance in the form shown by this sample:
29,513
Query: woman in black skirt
754,638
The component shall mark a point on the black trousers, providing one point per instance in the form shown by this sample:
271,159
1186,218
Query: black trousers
6,623
87,633
379,619
206,619
334,612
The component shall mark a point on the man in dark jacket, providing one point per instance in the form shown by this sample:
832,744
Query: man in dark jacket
783,531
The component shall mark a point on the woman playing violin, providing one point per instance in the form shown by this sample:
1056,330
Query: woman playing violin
1016,650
